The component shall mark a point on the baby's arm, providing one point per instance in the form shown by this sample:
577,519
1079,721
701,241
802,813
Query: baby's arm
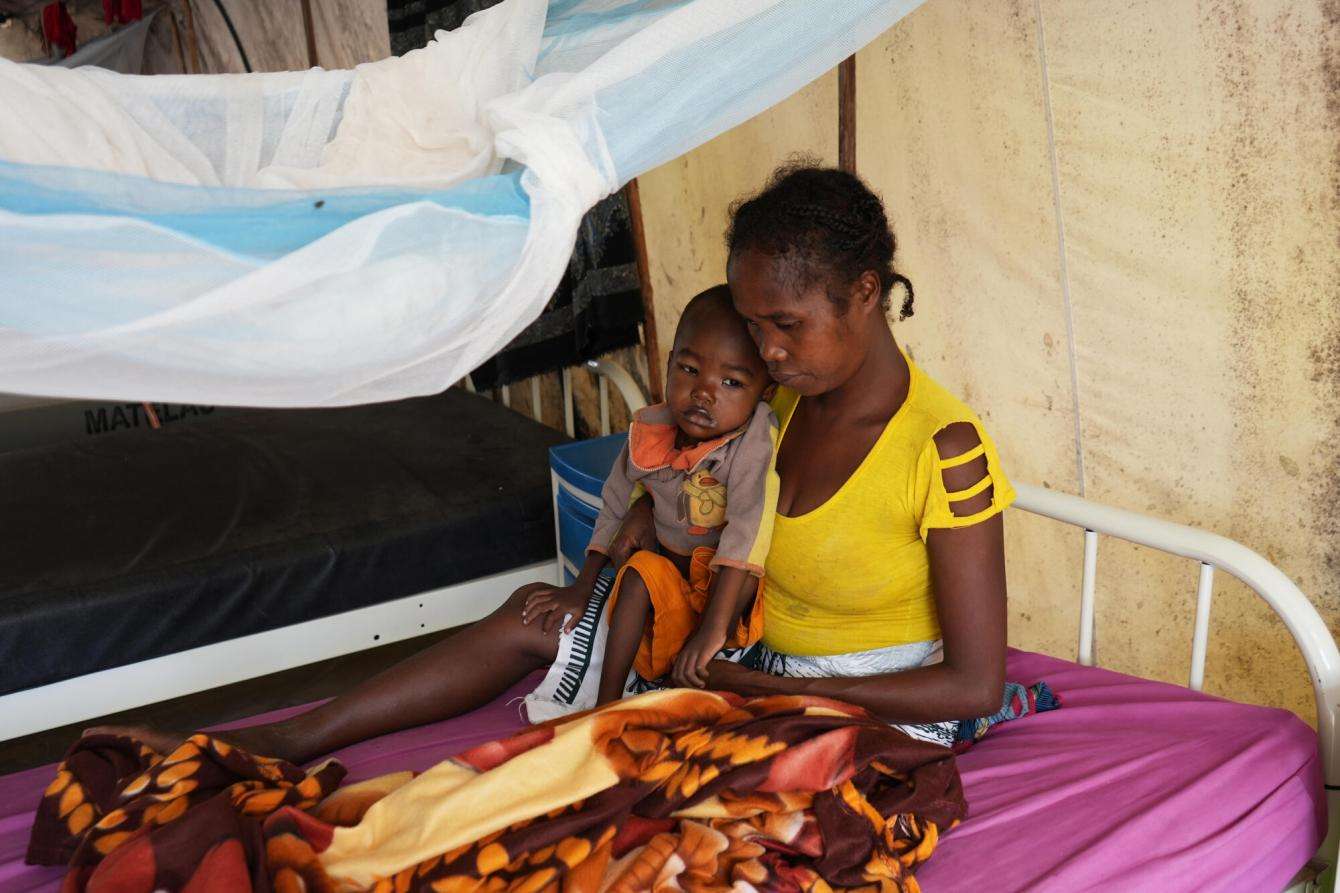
732,592
751,503
615,498
751,498
556,602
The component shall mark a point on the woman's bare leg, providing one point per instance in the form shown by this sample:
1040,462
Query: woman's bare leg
446,679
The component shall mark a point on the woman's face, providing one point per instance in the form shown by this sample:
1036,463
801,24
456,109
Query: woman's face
809,345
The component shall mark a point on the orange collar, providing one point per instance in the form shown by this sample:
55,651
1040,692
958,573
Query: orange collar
651,442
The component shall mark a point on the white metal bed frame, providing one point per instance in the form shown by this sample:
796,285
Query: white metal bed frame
125,687
1213,552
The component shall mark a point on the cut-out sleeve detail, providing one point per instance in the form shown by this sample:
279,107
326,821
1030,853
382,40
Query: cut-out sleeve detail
941,502
965,458
961,495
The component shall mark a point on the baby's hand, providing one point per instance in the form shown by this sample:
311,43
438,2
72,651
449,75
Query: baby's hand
554,604
691,664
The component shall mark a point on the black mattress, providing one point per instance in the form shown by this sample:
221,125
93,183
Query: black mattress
128,547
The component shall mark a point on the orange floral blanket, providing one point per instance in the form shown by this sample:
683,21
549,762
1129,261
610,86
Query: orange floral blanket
672,790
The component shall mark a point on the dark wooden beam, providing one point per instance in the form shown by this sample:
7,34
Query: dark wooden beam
192,39
309,27
644,282
176,40
847,115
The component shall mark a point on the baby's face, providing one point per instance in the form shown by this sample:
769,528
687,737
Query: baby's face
714,382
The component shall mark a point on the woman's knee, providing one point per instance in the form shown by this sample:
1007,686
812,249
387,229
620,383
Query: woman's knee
510,631
515,602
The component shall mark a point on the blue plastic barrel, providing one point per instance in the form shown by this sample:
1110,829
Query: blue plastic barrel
580,470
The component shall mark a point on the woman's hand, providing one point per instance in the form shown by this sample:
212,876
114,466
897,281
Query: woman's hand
553,603
725,675
637,534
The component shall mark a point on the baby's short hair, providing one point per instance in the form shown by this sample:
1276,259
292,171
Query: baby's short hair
708,306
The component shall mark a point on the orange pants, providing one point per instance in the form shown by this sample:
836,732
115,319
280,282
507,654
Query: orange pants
677,606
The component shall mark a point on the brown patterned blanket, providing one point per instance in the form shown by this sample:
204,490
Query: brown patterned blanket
673,790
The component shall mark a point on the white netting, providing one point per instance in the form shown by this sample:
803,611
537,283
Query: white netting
322,238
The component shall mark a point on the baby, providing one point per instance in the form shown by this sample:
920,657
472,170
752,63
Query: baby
705,456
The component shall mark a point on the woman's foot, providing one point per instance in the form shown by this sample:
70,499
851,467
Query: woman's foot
159,740
264,741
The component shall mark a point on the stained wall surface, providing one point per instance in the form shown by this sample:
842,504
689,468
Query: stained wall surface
1200,228
1122,227
685,202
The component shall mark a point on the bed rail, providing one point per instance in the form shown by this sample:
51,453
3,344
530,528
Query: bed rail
606,372
1212,552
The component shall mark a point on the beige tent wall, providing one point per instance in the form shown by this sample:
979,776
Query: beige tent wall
1121,223
951,131
1208,368
685,202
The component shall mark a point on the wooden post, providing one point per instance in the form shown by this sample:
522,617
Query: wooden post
192,39
644,283
310,29
847,115
176,40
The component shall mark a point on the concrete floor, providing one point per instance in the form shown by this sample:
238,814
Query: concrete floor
300,685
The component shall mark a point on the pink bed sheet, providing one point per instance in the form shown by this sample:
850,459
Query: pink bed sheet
1133,785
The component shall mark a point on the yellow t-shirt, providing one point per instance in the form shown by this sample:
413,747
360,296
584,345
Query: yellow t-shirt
854,573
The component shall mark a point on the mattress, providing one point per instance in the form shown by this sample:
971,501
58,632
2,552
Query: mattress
144,543
1133,785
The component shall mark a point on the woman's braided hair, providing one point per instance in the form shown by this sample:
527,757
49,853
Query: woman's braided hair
827,222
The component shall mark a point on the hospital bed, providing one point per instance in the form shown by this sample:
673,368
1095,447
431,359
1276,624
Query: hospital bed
146,564
1132,785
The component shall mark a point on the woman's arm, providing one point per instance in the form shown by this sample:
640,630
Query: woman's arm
968,573
968,578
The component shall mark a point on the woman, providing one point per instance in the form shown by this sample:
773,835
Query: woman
886,575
